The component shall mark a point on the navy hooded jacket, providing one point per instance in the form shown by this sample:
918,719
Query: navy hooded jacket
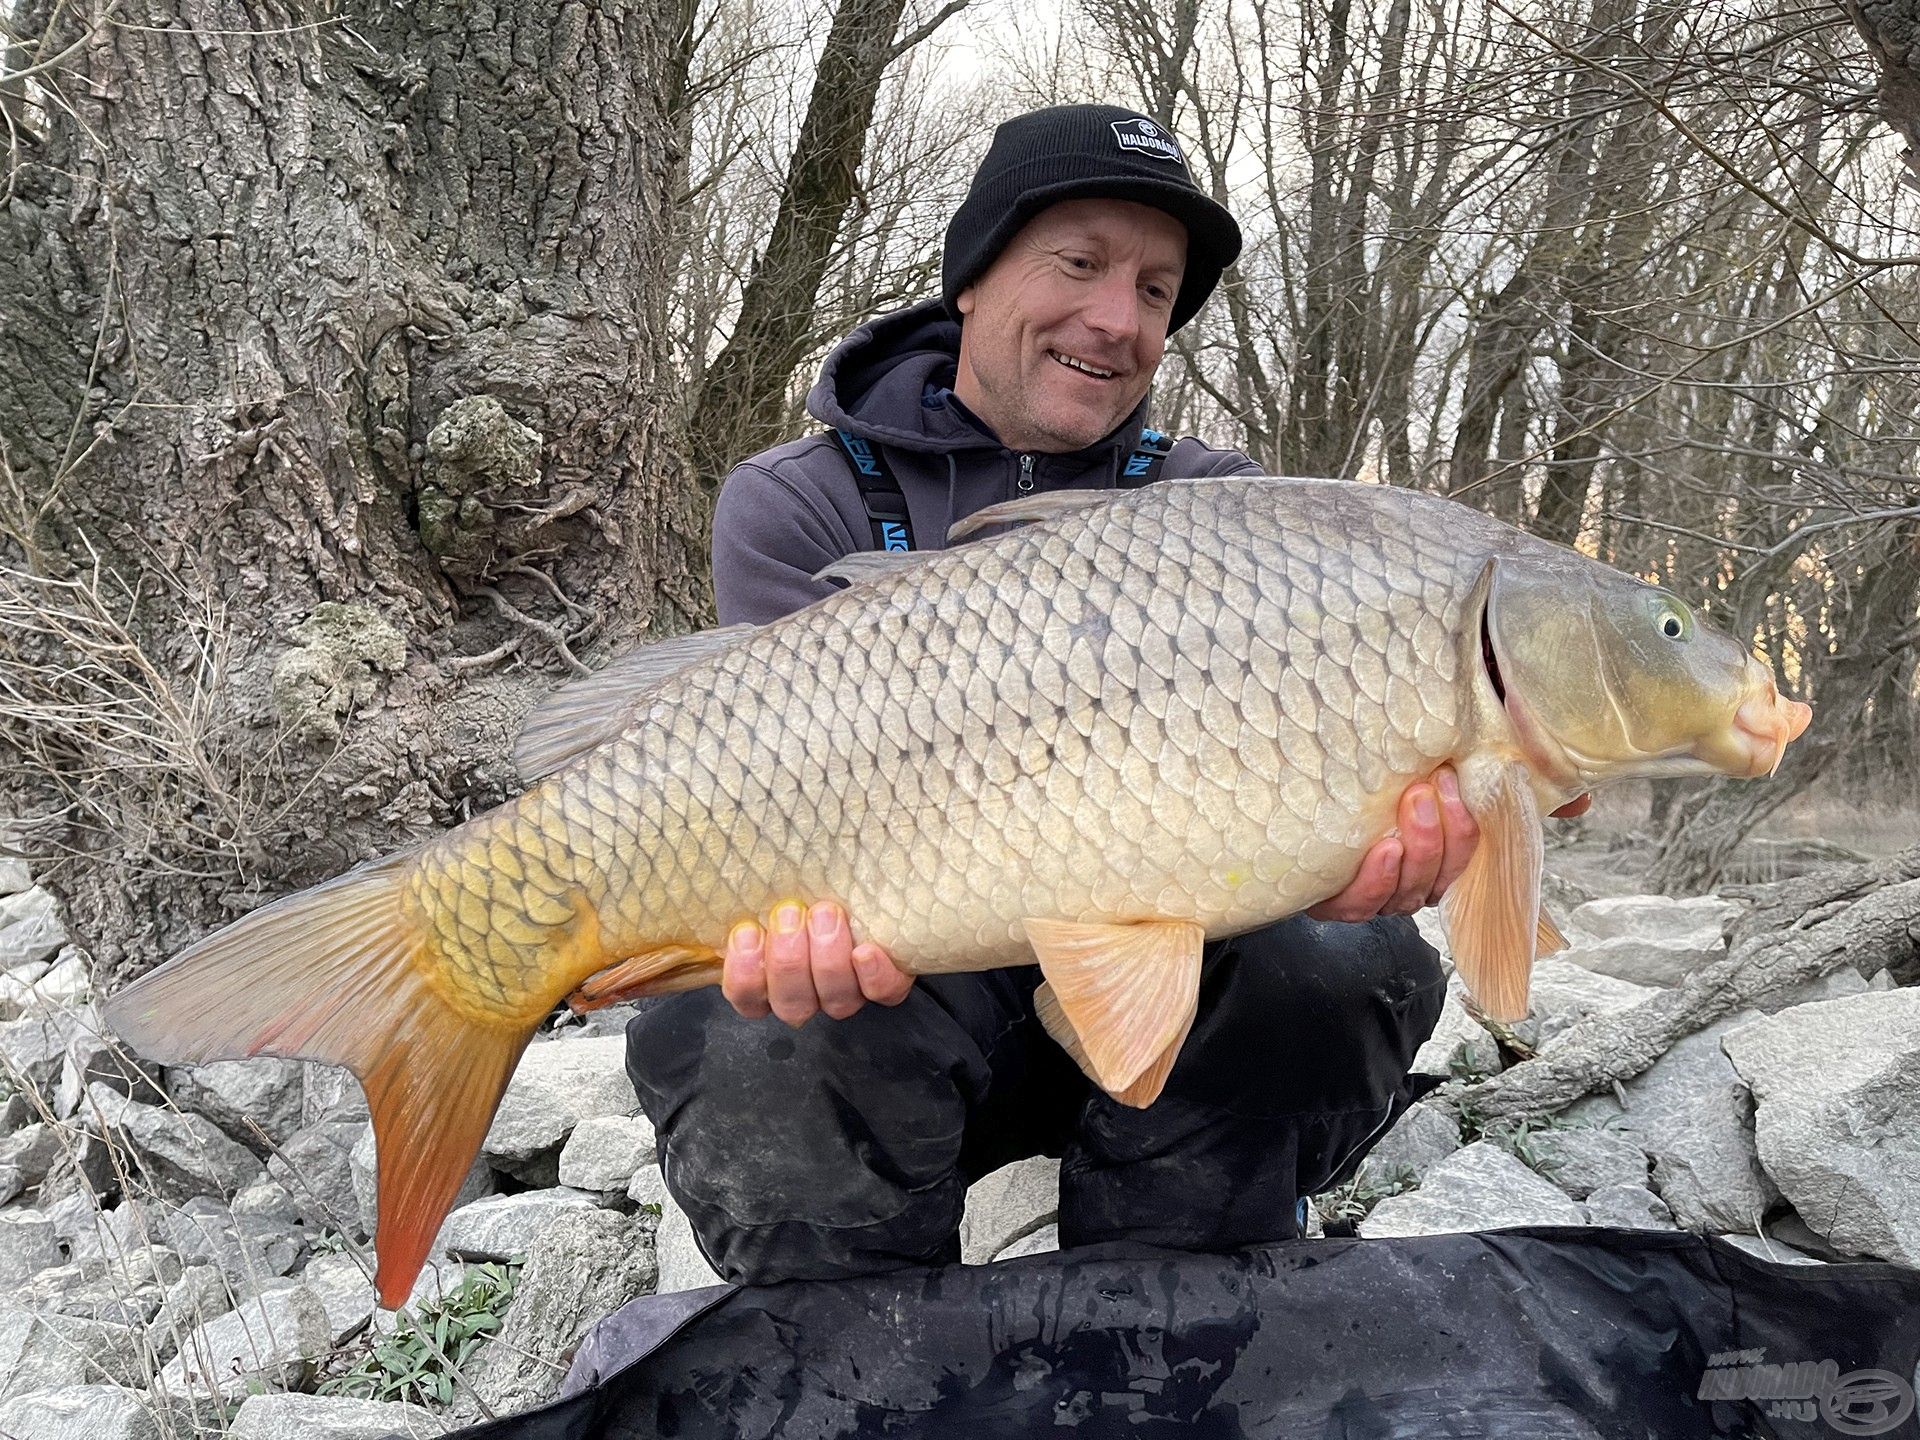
790,511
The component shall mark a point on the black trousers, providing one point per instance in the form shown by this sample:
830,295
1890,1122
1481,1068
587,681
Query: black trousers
847,1146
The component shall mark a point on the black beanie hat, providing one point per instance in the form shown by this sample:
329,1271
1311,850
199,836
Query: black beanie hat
1072,152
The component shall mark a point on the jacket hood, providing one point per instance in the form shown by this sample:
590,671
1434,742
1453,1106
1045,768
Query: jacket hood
875,384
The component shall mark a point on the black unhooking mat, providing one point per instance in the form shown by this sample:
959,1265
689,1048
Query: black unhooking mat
1540,1332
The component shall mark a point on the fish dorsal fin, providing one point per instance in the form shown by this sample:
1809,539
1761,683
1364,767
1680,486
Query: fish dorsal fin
1493,910
873,564
1547,937
593,709
1126,993
1028,509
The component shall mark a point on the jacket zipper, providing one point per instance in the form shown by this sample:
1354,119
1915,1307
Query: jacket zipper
1024,485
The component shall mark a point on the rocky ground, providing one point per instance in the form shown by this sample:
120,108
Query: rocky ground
185,1252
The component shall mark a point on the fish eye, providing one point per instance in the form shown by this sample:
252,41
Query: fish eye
1674,619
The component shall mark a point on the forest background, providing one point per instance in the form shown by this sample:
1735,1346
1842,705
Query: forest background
368,368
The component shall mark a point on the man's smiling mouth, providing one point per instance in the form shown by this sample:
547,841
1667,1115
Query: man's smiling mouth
1084,367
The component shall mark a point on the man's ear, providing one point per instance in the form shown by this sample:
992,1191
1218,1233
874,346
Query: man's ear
964,301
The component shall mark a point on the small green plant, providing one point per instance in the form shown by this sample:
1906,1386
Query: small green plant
417,1360
1354,1200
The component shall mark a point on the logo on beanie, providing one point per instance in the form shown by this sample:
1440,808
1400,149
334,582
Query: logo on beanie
1143,137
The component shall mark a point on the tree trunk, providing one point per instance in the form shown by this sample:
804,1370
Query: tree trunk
742,404
1891,29
327,392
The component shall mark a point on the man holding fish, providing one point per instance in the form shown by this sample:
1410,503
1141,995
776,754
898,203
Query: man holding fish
839,1147
1279,714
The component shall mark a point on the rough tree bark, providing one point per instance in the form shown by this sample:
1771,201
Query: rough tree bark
328,399
1891,29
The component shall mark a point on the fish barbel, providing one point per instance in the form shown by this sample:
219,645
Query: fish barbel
1144,718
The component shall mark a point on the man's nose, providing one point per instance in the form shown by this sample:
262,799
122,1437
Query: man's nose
1114,306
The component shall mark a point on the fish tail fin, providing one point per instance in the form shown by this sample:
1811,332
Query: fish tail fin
335,974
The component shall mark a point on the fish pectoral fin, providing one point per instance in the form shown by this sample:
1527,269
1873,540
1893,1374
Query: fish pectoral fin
1547,939
873,565
1493,915
593,709
665,971
1125,993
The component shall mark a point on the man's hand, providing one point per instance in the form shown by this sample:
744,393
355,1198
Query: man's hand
1404,872
806,962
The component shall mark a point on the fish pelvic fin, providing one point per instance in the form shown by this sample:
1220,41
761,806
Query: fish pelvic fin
1493,915
335,974
1122,997
1547,939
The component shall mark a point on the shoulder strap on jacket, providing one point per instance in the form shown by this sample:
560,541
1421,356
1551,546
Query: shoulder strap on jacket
879,492
1149,454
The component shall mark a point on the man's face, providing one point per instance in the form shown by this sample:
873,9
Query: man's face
1065,329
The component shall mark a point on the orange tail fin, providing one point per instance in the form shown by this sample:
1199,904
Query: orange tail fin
330,974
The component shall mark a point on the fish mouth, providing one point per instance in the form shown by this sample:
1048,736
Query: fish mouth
1764,724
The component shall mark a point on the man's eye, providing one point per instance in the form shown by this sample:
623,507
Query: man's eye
1080,262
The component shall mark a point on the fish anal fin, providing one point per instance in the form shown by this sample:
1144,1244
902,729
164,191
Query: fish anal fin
1126,992
339,974
590,711
1493,910
667,970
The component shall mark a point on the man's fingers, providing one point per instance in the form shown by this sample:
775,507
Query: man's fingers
1579,805
790,989
834,981
881,981
1379,877
1461,831
1423,848
743,974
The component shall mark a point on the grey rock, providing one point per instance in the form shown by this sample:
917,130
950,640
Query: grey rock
1565,994
30,928
1661,962
330,1417
84,1167
498,1227
34,1048
1460,1044
330,1092
437,1282
582,1267
1419,1139
1043,1241
13,1184
85,1412
199,1295
17,995
127,1290
1480,1187
91,1232
316,1167
1692,1113
1653,917
649,1187
272,1339
1834,985
248,1251
14,876
558,1084
27,1246
345,1289
1586,1159
257,1102
1629,1207
63,983
1013,1201
41,1352
266,1199
32,1149
605,1152
90,1059
1769,1249
683,1266
366,1181
177,1156
1838,1120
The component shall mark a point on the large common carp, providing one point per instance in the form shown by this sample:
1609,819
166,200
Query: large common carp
1144,718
